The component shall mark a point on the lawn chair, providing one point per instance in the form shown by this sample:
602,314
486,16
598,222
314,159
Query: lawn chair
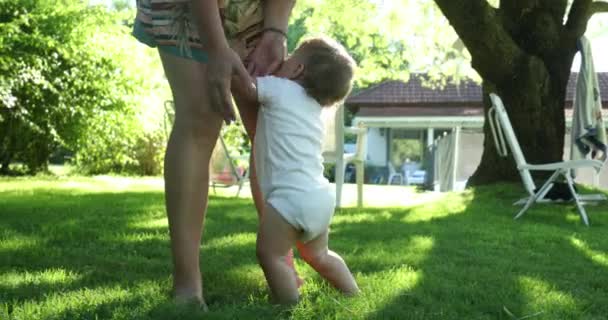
501,128
223,168
392,174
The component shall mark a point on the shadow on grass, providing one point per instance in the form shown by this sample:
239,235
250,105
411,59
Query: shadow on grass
470,259
53,244
476,262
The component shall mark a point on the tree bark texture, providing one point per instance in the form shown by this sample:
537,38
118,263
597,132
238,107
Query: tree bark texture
523,51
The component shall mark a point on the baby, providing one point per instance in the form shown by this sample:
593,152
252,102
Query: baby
287,149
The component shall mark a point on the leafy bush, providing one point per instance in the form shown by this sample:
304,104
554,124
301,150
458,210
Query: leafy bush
237,142
71,76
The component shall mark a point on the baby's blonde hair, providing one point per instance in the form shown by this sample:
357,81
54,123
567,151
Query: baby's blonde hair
328,70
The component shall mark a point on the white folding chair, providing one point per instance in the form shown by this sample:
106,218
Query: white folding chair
392,174
222,167
333,150
501,129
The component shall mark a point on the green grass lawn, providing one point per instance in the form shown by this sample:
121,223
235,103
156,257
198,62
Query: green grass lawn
97,248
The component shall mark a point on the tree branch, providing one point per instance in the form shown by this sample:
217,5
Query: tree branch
580,12
599,6
493,51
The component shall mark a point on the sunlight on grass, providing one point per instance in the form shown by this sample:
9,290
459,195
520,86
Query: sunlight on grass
424,207
597,256
377,196
378,290
422,243
160,223
71,303
440,206
98,248
13,279
80,185
396,252
245,273
389,196
137,237
97,303
11,241
541,296
127,183
233,240
361,217
378,294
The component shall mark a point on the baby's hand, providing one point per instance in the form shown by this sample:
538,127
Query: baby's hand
245,88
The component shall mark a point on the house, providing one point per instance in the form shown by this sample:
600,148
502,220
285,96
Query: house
403,118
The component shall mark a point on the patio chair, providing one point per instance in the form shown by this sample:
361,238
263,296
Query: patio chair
333,150
392,174
501,129
223,168
412,173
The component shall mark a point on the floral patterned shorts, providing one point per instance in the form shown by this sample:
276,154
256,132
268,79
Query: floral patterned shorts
170,26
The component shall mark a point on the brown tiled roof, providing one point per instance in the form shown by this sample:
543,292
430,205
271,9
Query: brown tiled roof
467,94
452,111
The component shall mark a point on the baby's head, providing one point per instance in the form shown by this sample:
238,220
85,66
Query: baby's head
324,68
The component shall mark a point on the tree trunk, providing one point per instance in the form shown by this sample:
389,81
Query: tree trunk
6,148
535,104
523,50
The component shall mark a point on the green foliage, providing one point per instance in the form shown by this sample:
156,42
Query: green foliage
71,76
50,80
237,141
388,39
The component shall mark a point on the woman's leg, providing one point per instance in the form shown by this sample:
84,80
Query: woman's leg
248,111
191,143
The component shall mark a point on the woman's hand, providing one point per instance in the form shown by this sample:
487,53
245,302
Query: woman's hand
223,63
268,55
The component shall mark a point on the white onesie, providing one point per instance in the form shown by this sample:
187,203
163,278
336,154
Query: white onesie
288,156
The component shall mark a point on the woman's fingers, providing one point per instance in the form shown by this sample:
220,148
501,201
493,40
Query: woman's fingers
222,66
251,68
225,100
245,80
215,99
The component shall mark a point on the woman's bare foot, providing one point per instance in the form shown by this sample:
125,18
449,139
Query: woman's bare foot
192,300
190,295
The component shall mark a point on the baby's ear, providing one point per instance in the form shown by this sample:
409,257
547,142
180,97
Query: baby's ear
297,71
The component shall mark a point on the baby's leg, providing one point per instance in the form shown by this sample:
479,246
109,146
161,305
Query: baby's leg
328,264
276,237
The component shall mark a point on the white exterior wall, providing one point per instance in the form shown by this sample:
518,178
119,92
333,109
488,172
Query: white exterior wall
470,150
376,147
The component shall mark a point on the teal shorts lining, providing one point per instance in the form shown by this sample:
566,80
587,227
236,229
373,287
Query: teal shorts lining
142,36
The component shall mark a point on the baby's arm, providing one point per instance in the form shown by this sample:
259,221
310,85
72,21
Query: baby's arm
246,90
259,91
